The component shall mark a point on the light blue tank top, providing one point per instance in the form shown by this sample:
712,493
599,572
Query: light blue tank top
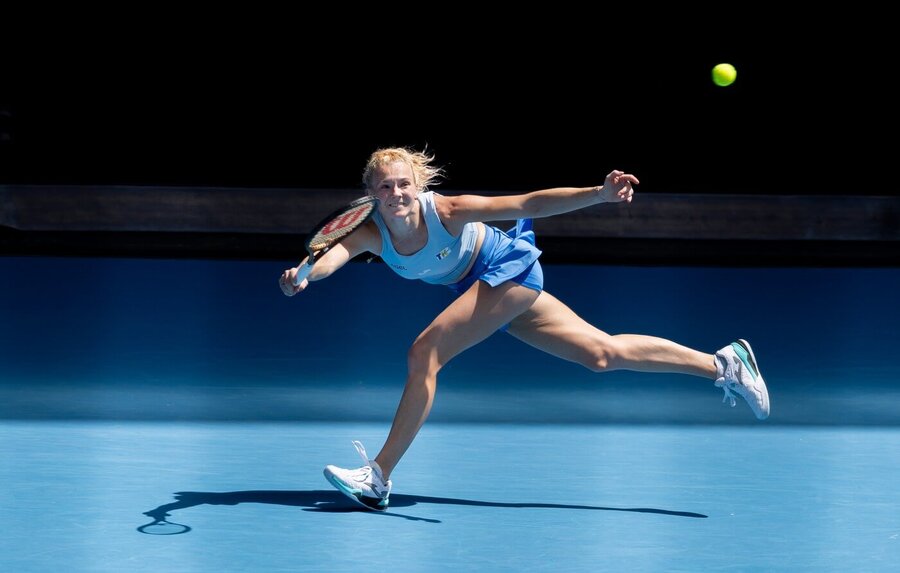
443,258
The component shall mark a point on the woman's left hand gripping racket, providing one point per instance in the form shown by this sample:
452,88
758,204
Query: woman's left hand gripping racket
333,229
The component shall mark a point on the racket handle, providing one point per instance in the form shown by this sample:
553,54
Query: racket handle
302,273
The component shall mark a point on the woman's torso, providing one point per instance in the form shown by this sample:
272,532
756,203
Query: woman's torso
444,258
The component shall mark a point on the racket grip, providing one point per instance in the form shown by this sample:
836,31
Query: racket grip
302,273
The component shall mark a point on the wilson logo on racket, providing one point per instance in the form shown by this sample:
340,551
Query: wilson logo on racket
344,221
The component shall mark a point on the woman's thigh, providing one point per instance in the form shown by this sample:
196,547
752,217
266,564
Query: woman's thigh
553,327
472,317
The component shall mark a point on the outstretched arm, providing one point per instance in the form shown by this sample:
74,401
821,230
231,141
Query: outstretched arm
462,209
364,239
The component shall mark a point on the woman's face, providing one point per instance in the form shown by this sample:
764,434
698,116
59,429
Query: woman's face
395,187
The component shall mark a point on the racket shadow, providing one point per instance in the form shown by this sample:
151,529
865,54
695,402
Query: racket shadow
335,502
313,500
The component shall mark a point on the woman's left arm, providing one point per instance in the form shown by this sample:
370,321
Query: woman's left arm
462,209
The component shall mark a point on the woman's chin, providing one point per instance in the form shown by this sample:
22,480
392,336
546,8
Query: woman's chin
399,212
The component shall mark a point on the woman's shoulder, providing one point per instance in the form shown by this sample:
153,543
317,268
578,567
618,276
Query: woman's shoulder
452,210
368,237
448,205
442,204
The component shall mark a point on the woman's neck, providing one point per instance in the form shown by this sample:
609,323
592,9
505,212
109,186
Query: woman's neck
409,233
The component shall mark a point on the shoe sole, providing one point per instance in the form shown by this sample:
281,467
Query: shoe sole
763,392
354,495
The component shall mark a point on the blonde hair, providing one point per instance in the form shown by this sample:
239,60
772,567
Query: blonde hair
424,172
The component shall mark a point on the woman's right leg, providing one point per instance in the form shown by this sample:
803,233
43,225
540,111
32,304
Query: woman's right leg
475,315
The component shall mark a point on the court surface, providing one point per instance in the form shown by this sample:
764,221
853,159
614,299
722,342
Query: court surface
192,396
469,497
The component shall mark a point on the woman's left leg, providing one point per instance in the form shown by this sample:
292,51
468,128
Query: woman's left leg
553,327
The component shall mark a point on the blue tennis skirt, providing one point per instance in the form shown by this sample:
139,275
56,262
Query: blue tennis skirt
509,256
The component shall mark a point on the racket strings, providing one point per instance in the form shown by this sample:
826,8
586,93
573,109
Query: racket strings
340,226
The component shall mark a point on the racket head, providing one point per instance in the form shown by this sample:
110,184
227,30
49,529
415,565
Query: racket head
340,223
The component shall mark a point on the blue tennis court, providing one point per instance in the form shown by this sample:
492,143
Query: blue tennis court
176,415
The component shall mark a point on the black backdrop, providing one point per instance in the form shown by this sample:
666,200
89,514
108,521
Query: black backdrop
501,111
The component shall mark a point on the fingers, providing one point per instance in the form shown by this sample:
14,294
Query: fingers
286,283
292,277
626,180
620,178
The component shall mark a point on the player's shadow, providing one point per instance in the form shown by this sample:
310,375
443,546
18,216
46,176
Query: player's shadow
333,501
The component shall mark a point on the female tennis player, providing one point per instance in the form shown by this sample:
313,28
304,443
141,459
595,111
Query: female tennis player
497,276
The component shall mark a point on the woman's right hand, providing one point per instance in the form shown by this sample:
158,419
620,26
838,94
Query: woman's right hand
286,282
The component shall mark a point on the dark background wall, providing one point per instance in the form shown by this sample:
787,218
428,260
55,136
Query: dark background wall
507,103
216,340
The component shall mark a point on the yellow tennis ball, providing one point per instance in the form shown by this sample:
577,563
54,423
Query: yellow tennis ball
724,75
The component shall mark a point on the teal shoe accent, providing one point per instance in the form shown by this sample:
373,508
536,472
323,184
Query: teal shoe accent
343,487
744,355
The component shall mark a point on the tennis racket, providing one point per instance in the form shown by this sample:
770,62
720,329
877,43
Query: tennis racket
333,229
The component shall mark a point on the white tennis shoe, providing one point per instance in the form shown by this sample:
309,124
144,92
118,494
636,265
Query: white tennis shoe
365,486
737,372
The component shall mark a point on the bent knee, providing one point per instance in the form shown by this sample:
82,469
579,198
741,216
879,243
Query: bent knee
421,358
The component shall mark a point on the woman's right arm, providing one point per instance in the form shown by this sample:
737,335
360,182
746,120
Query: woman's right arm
364,239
